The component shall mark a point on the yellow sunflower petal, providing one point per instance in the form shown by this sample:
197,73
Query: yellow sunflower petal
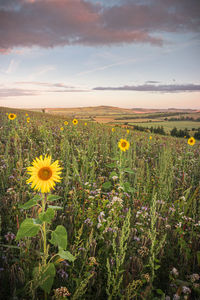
43,174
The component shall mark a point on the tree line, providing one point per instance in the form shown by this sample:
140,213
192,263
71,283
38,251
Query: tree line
182,133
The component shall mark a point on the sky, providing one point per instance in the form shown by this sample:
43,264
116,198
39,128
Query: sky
125,53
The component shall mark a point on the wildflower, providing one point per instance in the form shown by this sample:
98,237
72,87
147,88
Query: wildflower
92,261
26,115
150,137
12,116
9,236
174,272
61,128
75,121
66,123
123,145
186,290
117,200
28,120
63,274
194,277
44,174
85,123
146,277
113,129
191,141
176,297
128,131
61,292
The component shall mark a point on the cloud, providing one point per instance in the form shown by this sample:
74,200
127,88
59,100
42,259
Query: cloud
50,23
171,88
42,88
45,84
14,92
152,81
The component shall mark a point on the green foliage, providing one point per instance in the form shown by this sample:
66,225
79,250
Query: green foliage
59,237
44,276
28,228
30,203
47,216
115,273
97,253
66,255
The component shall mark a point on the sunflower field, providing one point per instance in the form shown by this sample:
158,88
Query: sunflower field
94,212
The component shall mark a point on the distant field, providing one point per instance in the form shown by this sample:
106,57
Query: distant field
169,125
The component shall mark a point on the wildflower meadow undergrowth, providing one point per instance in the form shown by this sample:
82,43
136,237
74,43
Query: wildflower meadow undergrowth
90,211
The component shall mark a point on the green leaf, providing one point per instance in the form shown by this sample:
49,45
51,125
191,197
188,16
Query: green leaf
113,174
159,291
106,185
53,197
55,207
45,276
47,216
128,188
128,170
66,255
157,267
112,165
30,203
59,237
28,228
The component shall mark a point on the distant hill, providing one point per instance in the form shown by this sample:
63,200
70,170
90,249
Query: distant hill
108,110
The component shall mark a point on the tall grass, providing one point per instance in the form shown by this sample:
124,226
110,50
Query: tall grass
129,226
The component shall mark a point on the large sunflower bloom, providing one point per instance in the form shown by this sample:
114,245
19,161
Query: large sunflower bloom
123,145
75,121
12,116
191,141
44,174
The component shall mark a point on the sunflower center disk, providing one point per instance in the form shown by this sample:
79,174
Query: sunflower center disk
45,173
123,144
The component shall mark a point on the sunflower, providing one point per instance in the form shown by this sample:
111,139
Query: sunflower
66,123
61,128
150,137
191,141
44,174
26,115
85,123
75,122
113,129
28,120
123,145
128,131
12,116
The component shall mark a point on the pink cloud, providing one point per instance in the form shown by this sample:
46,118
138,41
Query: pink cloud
50,23
4,51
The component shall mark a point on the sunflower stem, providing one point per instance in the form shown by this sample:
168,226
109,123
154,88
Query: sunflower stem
44,198
120,169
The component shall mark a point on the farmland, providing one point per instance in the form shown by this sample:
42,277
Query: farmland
169,119
118,225
168,126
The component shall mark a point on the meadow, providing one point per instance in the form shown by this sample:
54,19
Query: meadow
118,225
